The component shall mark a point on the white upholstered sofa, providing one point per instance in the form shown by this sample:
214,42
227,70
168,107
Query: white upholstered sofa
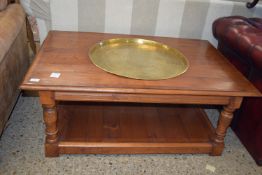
173,18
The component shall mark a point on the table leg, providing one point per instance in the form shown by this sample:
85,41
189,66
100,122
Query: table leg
224,121
50,119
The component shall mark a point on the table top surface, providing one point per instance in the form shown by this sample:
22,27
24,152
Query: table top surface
66,53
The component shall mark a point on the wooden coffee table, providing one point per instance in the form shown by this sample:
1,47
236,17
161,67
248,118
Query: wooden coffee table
87,110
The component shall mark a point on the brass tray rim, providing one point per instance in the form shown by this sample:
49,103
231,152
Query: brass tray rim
165,46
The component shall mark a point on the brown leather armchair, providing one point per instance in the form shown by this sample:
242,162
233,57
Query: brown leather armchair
240,40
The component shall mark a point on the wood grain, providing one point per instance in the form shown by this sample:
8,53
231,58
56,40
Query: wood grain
87,110
133,128
146,98
67,52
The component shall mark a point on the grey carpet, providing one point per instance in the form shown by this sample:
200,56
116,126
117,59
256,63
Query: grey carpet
22,153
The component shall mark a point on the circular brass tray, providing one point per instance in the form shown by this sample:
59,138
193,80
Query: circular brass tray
138,58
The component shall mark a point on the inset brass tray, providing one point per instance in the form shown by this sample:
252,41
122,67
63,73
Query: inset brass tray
138,58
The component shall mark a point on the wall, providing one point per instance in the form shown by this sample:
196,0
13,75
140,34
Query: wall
172,18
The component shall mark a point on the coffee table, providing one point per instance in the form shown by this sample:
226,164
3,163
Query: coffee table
87,110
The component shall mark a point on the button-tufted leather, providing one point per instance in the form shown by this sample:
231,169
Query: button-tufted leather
243,35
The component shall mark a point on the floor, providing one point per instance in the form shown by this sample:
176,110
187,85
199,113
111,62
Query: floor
21,152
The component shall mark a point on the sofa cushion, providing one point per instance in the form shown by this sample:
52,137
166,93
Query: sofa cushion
11,21
3,4
243,35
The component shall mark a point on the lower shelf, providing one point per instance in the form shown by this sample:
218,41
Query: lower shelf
95,128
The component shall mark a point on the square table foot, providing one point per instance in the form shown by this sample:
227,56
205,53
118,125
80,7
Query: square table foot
51,150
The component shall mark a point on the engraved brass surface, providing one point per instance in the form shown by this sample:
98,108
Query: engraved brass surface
138,59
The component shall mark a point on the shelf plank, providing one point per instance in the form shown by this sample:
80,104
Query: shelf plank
132,128
132,148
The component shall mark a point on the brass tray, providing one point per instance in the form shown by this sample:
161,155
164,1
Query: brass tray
138,58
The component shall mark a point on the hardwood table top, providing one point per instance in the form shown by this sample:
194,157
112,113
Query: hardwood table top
209,72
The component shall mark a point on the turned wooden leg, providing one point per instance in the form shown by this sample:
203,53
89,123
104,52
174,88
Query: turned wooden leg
224,121
50,119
